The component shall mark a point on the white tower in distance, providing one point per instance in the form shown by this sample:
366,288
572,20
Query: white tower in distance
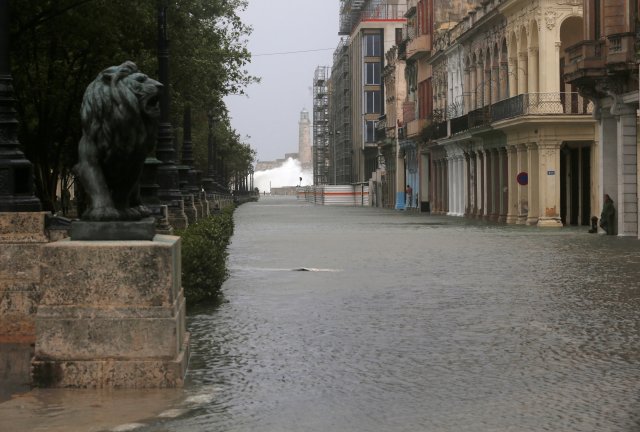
304,140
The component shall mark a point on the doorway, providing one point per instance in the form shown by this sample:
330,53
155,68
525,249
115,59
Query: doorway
575,183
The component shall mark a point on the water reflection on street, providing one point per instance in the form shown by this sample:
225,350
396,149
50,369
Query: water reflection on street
409,322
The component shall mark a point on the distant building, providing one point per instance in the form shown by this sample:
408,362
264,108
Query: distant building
304,140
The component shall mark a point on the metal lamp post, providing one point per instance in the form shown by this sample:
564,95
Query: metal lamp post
168,179
16,172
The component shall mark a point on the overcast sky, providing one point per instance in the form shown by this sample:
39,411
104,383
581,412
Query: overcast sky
270,113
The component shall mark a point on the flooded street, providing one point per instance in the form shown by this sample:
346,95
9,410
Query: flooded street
358,319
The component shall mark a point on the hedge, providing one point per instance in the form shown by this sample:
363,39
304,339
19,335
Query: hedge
204,257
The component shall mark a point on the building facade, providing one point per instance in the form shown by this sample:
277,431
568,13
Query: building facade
340,116
321,128
516,143
603,66
372,26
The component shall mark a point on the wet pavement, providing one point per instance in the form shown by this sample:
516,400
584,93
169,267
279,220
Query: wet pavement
401,322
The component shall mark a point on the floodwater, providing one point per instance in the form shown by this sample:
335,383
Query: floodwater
359,319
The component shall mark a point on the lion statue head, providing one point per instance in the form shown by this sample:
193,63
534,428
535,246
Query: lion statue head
119,115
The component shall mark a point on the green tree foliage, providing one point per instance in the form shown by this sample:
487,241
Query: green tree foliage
59,47
204,257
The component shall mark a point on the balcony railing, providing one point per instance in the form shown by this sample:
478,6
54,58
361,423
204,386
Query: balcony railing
621,48
563,103
585,58
440,130
507,108
459,124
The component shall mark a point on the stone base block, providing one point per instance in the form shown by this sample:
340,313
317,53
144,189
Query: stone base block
112,314
114,230
23,227
22,236
113,373
549,222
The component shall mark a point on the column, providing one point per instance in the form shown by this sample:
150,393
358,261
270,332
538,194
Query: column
512,184
627,202
549,183
513,76
451,183
504,184
495,185
400,183
446,186
467,90
534,186
486,87
479,183
523,68
470,186
533,70
472,89
495,83
486,186
523,191
480,88
504,81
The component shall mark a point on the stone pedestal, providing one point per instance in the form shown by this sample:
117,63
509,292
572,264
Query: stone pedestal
190,209
112,315
177,217
22,236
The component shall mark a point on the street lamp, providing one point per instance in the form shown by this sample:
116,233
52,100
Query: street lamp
168,180
16,172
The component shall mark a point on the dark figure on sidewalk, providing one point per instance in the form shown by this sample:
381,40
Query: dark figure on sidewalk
65,200
594,225
409,193
608,216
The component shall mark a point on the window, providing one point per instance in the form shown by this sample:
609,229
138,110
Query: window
370,131
372,102
372,73
372,46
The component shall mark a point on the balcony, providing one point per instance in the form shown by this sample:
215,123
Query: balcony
545,104
621,51
584,62
419,47
414,127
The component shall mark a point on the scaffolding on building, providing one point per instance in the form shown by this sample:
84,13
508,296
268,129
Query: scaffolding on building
321,152
352,12
340,117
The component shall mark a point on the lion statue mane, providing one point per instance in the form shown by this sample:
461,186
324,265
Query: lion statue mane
119,115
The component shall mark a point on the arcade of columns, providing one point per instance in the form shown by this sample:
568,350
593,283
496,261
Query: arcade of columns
475,174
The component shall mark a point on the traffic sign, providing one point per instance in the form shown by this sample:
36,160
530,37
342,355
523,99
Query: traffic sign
522,178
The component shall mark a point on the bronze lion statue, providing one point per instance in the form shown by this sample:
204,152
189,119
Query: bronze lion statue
119,115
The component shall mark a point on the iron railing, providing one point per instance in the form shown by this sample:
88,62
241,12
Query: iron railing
561,103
